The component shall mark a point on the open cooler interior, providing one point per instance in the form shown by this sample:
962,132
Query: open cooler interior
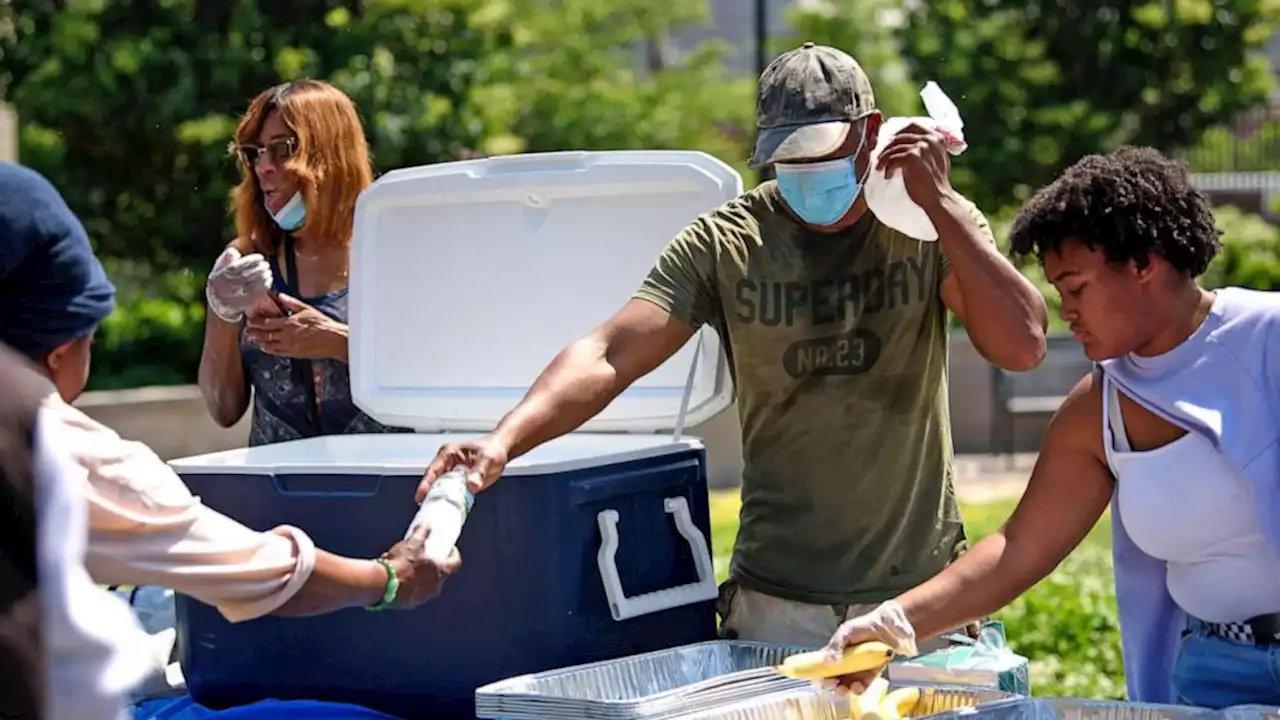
468,278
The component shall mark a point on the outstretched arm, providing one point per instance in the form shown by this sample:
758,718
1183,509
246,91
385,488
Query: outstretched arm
586,376
1069,490
676,298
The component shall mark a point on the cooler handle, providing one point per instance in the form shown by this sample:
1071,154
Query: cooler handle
623,607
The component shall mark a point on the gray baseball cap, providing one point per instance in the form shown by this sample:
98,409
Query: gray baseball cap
809,97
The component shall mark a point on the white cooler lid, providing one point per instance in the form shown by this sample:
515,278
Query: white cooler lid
468,277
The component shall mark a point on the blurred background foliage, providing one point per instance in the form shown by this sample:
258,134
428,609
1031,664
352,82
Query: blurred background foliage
128,105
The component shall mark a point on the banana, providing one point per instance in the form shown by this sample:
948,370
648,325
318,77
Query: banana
867,705
899,703
815,666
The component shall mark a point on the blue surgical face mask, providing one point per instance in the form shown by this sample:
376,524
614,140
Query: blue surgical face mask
292,215
821,193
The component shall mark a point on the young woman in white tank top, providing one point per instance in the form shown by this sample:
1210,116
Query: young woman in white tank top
1178,430
1185,504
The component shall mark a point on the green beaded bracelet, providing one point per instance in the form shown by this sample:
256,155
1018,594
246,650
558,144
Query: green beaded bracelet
393,587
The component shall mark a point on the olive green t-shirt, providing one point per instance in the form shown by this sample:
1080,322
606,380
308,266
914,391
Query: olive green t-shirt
837,343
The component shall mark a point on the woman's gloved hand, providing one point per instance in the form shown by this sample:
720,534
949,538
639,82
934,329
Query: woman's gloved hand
236,283
888,624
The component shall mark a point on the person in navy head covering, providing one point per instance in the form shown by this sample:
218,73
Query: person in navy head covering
53,290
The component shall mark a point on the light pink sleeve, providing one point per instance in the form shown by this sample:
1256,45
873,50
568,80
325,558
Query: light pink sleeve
146,528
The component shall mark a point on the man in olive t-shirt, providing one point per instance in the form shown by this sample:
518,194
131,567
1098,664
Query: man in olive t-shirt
837,343
836,331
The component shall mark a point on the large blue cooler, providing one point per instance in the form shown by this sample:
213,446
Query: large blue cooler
466,279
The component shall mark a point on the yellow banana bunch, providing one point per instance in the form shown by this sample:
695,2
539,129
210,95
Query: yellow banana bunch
876,703
899,703
867,705
857,658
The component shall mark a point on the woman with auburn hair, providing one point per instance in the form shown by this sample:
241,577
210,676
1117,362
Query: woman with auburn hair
278,294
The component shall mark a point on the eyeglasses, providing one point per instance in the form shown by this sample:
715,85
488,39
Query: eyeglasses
278,150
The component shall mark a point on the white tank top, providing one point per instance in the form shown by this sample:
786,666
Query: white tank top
1185,504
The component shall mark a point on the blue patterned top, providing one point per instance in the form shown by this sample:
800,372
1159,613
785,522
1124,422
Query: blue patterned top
282,401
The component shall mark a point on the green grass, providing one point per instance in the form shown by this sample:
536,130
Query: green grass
1067,624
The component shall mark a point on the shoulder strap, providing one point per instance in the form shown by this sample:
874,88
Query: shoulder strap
1103,384
302,369
291,268
1114,437
1120,436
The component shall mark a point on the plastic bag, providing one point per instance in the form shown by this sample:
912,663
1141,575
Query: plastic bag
887,198
987,662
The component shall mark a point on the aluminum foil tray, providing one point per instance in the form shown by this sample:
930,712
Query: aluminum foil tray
1248,712
807,703
654,685
1072,709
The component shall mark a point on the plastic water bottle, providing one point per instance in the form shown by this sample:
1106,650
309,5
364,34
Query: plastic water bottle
887,198
444,511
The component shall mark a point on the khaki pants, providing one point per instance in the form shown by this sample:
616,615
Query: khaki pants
749,615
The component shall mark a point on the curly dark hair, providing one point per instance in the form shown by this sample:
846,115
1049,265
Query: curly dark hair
1130,203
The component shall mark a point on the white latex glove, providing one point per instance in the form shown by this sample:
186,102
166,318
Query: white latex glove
887,623
236,283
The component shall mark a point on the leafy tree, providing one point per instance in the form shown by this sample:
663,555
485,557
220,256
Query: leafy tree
1042,83
576,79
867,30
1250,256
128,105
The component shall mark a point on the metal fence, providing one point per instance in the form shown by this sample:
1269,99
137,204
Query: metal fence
1240,164
1250,145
